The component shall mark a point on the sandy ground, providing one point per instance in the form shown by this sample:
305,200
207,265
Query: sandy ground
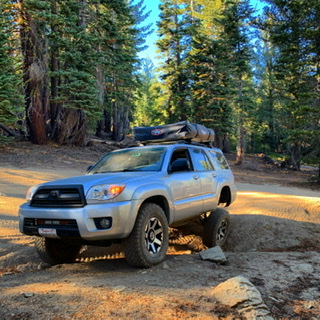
274,242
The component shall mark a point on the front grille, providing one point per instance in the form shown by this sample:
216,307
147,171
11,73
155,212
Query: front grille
59,196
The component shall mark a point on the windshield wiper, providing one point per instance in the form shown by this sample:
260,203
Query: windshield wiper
124,170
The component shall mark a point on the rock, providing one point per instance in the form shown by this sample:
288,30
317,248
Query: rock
43,265
128,142
28,294
119,288
7,273
25,267
214,254
241,294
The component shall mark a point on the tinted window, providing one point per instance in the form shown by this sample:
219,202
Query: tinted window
201,161
219,160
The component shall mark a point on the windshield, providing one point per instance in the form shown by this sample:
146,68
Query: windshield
142,159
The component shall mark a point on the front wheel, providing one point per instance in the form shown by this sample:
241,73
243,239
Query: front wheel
56,251
216,228
148,242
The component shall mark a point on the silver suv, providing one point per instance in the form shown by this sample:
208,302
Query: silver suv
132,196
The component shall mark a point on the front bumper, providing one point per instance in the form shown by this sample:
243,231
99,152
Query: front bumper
79,222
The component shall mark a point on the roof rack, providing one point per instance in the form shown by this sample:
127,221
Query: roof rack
185,141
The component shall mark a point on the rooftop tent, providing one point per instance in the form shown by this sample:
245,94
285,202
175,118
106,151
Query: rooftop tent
172,132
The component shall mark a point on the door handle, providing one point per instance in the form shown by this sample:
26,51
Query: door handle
195,177
214,175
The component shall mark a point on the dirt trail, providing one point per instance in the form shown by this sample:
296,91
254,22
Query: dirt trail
274,242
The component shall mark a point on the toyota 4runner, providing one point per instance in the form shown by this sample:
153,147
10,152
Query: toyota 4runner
132,196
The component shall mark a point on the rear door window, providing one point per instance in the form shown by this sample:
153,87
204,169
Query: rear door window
200,160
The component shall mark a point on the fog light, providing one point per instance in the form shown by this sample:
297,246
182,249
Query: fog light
105,223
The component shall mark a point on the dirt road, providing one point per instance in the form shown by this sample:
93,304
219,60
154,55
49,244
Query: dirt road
274,242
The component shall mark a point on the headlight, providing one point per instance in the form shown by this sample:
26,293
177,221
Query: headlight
104,192
30,193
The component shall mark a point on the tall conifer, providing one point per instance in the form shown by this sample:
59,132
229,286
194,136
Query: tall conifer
11,99
294,31
174,45
236,42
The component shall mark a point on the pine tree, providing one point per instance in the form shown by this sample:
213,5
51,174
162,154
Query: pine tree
11,100
174,44
294,31
234,41
269,114
118,43
79,65
209,81
145,113
210,97
74,90
122,77
34,50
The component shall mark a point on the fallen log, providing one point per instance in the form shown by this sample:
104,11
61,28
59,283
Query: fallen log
10,132
126,142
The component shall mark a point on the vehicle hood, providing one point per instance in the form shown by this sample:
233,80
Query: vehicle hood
104,178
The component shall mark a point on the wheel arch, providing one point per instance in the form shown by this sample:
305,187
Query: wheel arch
225,196
162,202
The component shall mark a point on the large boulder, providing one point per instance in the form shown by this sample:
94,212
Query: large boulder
239,293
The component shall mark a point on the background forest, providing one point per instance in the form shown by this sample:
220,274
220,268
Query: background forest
69,68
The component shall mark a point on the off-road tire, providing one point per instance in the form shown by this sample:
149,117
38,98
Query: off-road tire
216,228
148,242
56,251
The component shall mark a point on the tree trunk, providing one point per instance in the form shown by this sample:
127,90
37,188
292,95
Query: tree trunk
241,129
100,129
295,155
116,110
71,123
222,143
116,132
107,121
72,128
34,48
126,122
241,143
8,131
54,105
225,145
218,141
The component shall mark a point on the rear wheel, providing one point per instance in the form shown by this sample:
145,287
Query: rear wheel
56,251
216,228
148,242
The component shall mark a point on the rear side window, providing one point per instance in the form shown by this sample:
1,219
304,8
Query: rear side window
201,161
219,160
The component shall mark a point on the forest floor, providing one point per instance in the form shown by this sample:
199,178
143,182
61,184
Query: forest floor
274,242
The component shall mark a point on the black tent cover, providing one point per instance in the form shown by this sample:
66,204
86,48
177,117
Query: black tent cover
183,130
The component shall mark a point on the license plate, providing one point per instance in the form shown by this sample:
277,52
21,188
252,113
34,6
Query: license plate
48,232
